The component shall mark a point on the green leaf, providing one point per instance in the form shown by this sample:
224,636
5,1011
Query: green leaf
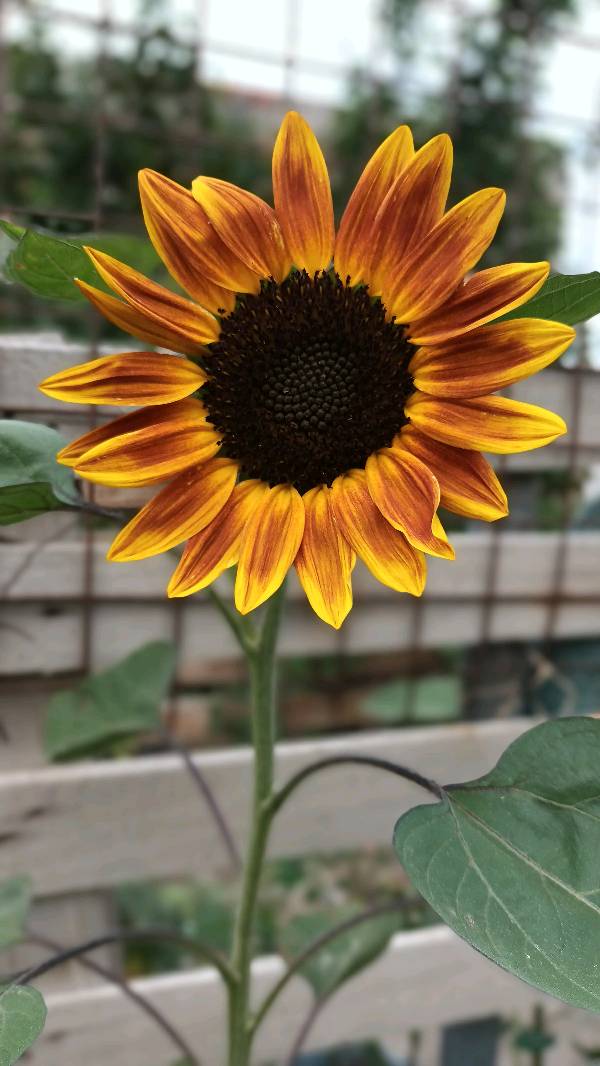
122,701
46,265
428,699
568,298
22,1018
512,861
31,481
342,958
533,1040
15,898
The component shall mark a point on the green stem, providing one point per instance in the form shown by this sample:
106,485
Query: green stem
261,661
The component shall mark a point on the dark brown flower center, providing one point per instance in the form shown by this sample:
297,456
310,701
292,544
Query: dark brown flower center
307,379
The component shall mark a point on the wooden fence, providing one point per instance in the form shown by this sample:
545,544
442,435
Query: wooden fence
83,829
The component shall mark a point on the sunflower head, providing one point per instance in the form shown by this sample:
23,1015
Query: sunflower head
321,393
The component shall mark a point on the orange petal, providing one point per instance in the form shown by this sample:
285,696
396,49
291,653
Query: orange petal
436,266
134,379
189,246
246,224
163,307
385,551
152,452
269,546
181,509
468,484
408,495
487,424
489,358
218,545
324,561
303,195
137,323
413,206
353,244
129,423
483,297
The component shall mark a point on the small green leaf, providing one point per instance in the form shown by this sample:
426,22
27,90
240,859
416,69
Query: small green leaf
568,298
22,1018
122,701
15,899
343,957
31,481
427,699
11,229
46,264
511,861
533,1040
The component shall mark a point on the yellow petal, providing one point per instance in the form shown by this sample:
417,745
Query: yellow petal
483,297
487,424
152,453
269,545
181,509
302,195
134,379
432,270
489,358
139,324
408,495
468,484
217,546
189,246
413,206
129,423
164,308
353,244
246,224
324,561
383,549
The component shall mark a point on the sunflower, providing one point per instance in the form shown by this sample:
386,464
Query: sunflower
330,391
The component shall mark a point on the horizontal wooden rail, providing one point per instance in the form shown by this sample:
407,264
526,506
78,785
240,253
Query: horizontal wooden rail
92,825
426,978
43,590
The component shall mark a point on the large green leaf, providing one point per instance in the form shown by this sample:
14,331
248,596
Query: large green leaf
122,701
22,1018
31,481
46,264
341,958
568,298
15,898
512,861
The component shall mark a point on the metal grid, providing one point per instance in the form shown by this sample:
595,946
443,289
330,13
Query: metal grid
107,25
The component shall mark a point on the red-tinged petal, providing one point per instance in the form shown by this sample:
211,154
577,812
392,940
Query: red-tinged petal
137,323
489,358
408,495
432,270
269,546
385,551
189,246
157,451
413,206
189,503
353,244
217,547
324,561
302,195
468,484
483,297
246,224
129,423
164,308
487,424
134,379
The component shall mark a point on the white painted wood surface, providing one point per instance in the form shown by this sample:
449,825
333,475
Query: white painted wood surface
426,978
41,617
97,824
